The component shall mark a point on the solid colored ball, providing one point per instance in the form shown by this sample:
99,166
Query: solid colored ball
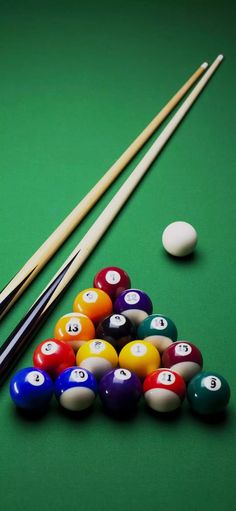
76,389
116,329
179,239
120,391
164,390
159,330
184,358
208,393
74,329
31,389
112,280
98,356
53,356
140,357
135,304
94,303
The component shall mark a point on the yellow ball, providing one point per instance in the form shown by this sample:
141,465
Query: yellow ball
97,356
141,357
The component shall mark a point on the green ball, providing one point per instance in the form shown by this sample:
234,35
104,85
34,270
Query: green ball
159,330
208,393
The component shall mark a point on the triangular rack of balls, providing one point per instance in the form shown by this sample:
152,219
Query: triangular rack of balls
113,345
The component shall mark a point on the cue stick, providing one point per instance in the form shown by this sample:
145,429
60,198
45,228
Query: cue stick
30,324
12,291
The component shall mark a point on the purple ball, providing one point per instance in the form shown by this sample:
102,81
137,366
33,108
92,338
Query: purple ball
135,304
120,391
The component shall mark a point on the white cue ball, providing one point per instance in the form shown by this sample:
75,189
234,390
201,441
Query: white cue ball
179,239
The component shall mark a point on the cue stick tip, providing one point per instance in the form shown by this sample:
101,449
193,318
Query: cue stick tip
220,57
204,65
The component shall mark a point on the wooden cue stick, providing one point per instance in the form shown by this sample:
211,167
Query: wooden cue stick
29,325
32,267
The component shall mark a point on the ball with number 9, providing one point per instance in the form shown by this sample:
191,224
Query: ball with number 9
208,393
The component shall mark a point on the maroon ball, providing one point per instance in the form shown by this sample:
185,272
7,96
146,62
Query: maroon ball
112,280
184,358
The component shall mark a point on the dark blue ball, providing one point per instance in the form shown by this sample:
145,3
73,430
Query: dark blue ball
76,388
31,389
120,391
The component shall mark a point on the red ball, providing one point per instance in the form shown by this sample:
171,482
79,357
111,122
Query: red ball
112,280
184,358
53,356
164,390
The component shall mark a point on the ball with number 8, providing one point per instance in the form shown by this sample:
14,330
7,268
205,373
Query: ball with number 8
98,356
164,390
184,358
74,329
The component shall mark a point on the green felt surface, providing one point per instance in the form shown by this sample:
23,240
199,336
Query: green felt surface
79,81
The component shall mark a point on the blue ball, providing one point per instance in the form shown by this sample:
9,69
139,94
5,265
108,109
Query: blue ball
76,389
31,389
120,391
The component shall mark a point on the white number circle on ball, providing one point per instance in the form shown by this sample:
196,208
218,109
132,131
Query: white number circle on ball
112,277
122,374
117,320
35,378
132,298
183,349
73,327
49,348
166,378
97,346
212,383
138,350
78,375
159,323
90,297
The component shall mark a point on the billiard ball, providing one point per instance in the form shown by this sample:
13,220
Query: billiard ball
184,358
94,303
133,303
120,391
140,357
116,329
164,390
74,329
31,389
112,280
98,356
179,239
53,356
76,389
208,393
159,330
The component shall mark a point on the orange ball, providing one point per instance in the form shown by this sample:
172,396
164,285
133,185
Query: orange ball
95,303
74,329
